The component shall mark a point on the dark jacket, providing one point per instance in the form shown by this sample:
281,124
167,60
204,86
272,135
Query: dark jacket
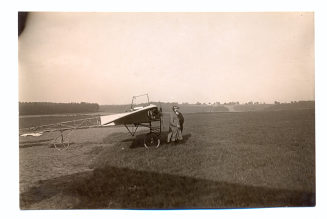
181,120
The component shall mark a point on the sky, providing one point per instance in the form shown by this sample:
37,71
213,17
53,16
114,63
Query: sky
174,57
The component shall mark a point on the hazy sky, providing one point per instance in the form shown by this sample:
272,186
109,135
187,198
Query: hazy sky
185,57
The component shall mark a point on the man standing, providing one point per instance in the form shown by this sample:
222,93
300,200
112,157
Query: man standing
174,127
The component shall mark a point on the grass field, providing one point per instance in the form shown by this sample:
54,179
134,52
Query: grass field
227,160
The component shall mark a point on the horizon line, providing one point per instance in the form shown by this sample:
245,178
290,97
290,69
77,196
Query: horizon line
181,103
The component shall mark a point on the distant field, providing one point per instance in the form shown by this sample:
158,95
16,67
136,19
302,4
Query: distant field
227,160
26,121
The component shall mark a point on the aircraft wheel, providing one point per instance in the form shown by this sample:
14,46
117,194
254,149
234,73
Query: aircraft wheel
60,143
151,140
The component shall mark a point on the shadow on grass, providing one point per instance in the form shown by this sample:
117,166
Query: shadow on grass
27,144
35,141
121,188
47,143
33,145
138,141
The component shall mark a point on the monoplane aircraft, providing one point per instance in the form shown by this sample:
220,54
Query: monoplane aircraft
149,116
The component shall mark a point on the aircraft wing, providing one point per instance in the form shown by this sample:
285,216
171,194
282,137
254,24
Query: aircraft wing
140,115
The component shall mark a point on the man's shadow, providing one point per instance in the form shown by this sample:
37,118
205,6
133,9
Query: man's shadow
138,140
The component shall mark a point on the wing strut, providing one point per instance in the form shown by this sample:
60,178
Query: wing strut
132,131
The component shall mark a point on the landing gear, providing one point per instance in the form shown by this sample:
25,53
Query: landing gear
61,142
152,140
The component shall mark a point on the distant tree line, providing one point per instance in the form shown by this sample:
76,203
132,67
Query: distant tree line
42,108
247,103
167,107
293,105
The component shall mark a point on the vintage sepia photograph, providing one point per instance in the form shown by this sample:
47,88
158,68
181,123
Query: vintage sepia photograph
166,110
